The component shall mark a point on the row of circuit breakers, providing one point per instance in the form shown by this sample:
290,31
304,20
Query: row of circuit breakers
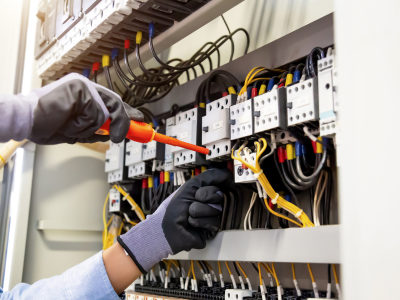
223,121
71,35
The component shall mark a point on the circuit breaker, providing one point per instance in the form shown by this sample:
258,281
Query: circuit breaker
241,120
45,27
270,111
114,201
327,95
154,150
302,102
137,168
115,162
68,14
169,156
215,128
242,173
188,129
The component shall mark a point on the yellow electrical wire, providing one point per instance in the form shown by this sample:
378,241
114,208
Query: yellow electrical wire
229,269
201,268
291,208
190,271
268,269
175,264
294,272
259,274
169,267
194,275
276,277
335,274
104,220
240,267
250,77
311,273
135,207
120,228
219,268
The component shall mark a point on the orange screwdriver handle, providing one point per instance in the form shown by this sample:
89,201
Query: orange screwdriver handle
143,133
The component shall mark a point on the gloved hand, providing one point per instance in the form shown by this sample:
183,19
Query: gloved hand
184,221
73,108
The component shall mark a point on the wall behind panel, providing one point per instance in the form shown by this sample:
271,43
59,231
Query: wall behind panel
69,184
265,21
10,22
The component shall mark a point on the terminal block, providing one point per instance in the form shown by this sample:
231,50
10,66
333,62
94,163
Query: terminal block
241,120
327,95
188,129
115,162
270,111
137,168
215,128
238,294
302,102
115,201
242,173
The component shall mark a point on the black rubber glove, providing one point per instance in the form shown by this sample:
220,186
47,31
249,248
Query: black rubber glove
73,108
183,221
190,218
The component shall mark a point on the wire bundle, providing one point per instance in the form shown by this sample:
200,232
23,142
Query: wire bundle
155,83
267,188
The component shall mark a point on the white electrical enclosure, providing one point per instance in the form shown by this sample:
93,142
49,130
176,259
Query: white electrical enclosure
115,162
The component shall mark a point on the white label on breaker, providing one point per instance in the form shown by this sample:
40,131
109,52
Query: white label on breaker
271,109
184,135
244,119
135,150
218,125
303,101
151,145
113,158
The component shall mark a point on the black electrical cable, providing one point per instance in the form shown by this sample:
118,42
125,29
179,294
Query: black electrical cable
180,268
329,273
145,209
255,267
327,194
231,39
95,76
108,78
236,268
289,181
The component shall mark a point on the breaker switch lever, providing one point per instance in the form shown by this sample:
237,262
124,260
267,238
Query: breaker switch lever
257,113
205,129
289,105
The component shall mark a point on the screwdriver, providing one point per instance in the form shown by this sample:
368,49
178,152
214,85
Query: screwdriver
143,133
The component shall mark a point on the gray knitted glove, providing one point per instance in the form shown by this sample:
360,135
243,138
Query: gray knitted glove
184,221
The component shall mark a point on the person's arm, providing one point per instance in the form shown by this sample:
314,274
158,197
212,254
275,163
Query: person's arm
68,110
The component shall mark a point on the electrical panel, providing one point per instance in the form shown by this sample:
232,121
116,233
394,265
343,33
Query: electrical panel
270,111
188,129
215,128
242,120
115,162
327,95
302,102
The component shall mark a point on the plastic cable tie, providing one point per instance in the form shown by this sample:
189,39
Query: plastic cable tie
125,197
298,213
275,200
256,175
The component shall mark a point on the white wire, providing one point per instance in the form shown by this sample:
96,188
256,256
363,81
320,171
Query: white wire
308,133
246,218
317,201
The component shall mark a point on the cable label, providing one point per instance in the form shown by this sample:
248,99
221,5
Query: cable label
215,276
271,282
339,292
166,282
242,283
329,291
218,125
161,276
248,282
187,283
233,282
296,285
263,292
142,280
279,293
264,287
182,269
222,280
315,289
303,101
182,283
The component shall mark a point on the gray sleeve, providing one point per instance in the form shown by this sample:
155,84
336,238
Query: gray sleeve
16,116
